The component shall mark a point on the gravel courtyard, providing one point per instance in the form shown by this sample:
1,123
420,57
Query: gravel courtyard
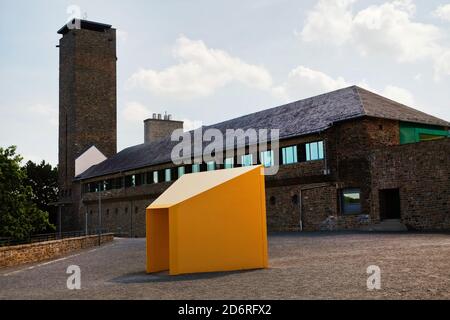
302,266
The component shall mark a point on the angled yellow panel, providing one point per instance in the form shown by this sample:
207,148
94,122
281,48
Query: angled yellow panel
209,221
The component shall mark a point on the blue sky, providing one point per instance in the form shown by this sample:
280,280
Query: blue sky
207,61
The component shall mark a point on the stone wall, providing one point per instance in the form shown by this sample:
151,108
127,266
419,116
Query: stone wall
157,129
421,172
34,252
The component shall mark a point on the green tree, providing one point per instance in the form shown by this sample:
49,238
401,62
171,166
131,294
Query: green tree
43,180
19,216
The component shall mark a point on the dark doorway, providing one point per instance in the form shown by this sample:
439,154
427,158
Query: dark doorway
389,204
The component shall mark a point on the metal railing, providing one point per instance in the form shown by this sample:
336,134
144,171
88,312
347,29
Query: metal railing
50,236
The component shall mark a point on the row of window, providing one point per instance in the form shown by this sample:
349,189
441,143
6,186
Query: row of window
302,153
288,155
116,211
350,201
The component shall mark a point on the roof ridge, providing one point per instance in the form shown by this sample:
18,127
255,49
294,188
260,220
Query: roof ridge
363,109
397,103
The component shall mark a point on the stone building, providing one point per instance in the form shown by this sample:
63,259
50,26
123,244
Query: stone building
349,159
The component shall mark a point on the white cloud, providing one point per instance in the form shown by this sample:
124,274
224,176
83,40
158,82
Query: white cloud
47,111
200,72
189,125
389,28
442,65
121,35
443,12
304,82
135,112
329,21
399,94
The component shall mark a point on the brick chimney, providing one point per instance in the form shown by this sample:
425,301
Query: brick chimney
159,127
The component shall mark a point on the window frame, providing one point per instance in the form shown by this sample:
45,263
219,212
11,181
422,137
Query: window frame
228,163
284,154
168,175
155,177
319,152
262,157
245,156
181,171
352,190
211,166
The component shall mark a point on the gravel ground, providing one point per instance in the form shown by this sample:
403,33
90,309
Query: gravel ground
302,266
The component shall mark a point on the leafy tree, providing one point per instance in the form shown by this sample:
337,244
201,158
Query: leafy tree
19,216
43,180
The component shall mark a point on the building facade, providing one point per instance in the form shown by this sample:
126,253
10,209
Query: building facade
349,159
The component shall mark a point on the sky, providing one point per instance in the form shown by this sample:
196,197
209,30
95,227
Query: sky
208,61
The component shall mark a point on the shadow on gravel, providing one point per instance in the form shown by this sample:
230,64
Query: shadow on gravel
142,277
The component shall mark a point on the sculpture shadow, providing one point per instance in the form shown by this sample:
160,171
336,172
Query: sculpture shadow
143,277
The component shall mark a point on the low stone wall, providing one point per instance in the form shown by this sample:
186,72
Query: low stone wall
34,252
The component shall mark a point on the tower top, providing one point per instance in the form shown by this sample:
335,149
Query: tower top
87,25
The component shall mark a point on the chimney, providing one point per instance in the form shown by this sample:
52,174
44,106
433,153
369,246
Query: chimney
158,128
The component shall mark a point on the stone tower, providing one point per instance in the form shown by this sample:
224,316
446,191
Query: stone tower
87,103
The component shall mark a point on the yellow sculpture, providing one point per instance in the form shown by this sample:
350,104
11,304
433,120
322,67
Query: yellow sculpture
209,221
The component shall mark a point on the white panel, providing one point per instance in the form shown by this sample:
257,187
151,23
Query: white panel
90,157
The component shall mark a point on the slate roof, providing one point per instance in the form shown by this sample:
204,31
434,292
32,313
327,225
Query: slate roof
88,25
298,118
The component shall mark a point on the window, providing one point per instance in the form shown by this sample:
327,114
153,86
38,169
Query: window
109,184
117,183
351,201
139,179
129,181
148,177
181,171
167,175
295,199
314,151
136,209
247,160
210,166
155,177
267,158
229,163
196,167
100,186
289,155
93,187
